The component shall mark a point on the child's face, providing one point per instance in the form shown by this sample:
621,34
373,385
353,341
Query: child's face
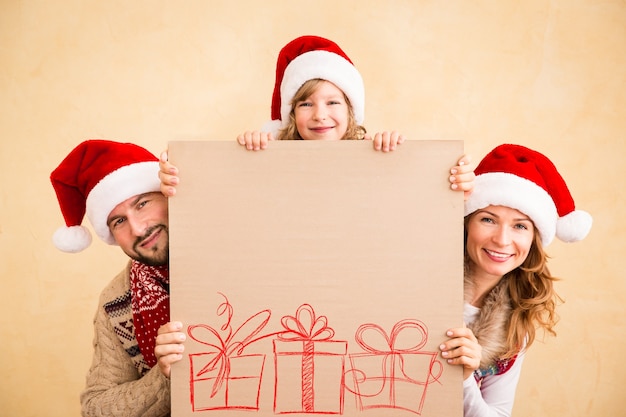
323,115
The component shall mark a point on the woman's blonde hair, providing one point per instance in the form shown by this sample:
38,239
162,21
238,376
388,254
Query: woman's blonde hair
533,298
354,131
532,295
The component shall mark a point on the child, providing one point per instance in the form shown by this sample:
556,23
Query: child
519,204
318,95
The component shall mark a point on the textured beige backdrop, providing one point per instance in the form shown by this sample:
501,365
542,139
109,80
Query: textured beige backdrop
547,74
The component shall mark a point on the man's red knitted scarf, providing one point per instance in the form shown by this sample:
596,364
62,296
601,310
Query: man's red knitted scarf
150,303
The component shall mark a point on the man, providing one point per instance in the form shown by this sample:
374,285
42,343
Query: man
116,186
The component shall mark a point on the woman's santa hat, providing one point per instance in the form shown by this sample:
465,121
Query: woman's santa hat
307,58
94,178
526,180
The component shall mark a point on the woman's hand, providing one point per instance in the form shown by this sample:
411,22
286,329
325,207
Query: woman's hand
169,346
462,176
254,140
462,349
168,176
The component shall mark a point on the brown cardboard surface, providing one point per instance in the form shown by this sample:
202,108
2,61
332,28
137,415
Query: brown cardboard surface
316,278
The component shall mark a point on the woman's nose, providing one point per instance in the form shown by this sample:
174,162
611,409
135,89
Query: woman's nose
502,236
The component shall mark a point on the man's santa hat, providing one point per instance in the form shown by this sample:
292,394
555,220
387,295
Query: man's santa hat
310,57
94,178
526,180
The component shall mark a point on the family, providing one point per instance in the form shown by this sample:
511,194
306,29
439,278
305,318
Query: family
516,203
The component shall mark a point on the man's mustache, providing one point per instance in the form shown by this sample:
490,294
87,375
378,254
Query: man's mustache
146,235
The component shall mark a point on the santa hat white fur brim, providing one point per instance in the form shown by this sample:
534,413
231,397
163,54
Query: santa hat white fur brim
504,189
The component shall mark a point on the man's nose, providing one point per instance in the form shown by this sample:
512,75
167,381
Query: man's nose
137,225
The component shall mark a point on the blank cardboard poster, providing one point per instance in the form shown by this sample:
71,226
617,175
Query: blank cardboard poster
316,278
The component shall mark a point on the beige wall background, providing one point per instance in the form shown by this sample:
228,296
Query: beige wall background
547,74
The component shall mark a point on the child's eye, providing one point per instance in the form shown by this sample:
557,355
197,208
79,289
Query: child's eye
304,104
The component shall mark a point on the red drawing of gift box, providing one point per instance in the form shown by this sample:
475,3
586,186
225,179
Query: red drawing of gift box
309,367
390,376
233,385
222,377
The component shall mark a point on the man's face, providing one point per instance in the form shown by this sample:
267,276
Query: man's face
140,227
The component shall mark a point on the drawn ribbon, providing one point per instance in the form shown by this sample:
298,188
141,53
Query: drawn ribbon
307,328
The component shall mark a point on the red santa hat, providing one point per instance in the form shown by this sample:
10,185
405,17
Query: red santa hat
526,180
94,178
310,57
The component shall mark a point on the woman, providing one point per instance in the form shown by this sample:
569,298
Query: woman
519,204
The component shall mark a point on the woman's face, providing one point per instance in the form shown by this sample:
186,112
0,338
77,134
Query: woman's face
323,115
498,240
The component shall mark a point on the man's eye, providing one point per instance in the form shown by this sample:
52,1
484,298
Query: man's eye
115,223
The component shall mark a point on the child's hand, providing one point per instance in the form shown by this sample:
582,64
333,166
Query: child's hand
462,349
254,140
386,141
168,176
462,176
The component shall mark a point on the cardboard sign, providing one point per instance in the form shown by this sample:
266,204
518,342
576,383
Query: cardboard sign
316,278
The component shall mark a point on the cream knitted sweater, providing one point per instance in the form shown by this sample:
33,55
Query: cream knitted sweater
114,386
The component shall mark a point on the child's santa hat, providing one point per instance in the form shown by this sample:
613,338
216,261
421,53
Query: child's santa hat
310,57
526,180
94,178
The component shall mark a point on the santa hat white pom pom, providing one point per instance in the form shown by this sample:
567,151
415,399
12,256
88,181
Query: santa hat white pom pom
574,226
72,239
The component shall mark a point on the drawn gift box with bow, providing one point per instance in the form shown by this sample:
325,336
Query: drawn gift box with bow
309,366
233,384
393,371
223,377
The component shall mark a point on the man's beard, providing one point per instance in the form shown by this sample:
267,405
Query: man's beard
157,256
